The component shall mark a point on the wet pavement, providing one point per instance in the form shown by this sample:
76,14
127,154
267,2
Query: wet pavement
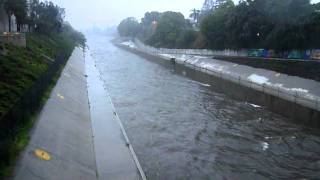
115,157
61,145
182,129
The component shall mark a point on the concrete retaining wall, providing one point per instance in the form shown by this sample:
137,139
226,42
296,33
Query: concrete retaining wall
296,112
291,110
200,52
260,53
17,39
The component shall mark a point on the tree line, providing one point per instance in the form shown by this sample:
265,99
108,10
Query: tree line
168,29
222,24
43,17
40,17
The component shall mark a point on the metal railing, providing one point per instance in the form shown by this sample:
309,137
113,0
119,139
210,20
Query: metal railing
199,52
29,102
295,96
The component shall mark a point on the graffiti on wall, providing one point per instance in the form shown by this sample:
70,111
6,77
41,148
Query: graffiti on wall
293,54
315,54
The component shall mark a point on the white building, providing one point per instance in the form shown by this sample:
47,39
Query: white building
4,22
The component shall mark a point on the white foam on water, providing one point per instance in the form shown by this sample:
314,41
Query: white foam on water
265,146
255,106
206,85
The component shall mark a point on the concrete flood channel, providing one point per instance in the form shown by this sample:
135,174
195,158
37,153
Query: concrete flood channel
183,125
115,157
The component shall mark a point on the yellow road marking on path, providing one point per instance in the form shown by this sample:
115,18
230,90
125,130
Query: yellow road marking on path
43,155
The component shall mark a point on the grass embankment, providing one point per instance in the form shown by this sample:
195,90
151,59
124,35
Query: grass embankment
13,146
304,69
19,69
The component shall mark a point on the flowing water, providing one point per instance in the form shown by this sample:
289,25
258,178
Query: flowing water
181,129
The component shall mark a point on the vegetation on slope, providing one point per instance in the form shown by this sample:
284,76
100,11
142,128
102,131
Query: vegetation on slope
20,68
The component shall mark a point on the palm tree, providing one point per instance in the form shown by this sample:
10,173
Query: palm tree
195,15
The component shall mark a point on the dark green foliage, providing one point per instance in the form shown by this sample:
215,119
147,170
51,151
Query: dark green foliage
273,24
149,18
253,24
214,26
129,27
47,17
209,6
44,17
18,8
148,24
311,29
19,70
20,67
168,30
186,39
317,6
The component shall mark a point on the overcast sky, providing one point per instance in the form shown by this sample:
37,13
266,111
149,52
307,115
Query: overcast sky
85,14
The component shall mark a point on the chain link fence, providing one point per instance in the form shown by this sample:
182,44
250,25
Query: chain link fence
21,111
294,55
196,52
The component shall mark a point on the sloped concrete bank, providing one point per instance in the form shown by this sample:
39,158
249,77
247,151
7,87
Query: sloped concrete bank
61,145
299,111
114,153
78,134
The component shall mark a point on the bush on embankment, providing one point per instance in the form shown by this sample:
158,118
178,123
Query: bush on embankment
20,69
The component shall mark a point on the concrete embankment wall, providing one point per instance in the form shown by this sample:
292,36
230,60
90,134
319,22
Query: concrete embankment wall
17,39
295,112
313,54
116,158
61,143
291,110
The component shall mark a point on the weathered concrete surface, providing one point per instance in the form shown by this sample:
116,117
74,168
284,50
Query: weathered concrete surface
116,159
63,130
289,86
303,86
14,38
278,91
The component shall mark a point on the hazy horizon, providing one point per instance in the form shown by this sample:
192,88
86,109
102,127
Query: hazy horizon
105,13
